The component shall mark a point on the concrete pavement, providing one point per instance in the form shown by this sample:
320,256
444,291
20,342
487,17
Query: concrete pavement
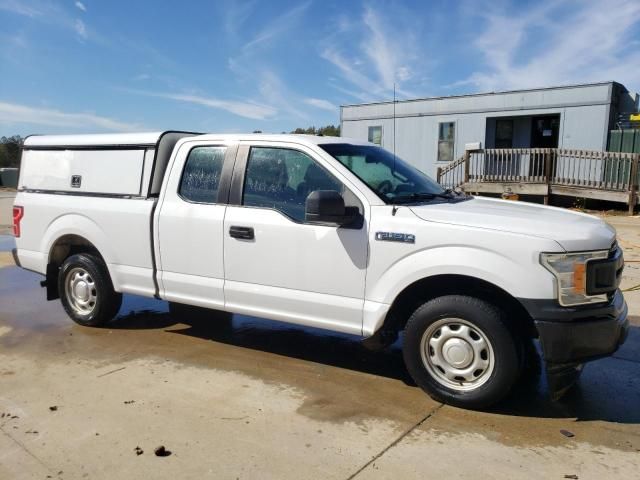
262,399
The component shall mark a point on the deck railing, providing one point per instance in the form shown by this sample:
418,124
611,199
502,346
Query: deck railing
568,170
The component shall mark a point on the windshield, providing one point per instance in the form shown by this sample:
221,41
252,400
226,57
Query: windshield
391,178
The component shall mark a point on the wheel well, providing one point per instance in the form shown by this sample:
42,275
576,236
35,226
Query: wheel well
428,288
62,249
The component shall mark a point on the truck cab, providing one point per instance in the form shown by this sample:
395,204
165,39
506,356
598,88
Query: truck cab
325,232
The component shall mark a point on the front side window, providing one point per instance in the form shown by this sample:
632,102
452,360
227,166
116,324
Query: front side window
281,179
375,135
446,141
201,174
391,178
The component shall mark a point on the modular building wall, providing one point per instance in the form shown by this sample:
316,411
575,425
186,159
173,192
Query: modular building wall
584,112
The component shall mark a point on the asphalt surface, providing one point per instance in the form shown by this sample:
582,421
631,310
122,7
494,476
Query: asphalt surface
260,399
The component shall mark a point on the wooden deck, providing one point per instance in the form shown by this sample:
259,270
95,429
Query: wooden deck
611,176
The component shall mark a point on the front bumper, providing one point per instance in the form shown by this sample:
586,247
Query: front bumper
579,334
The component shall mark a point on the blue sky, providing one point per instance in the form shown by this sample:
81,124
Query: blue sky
234,66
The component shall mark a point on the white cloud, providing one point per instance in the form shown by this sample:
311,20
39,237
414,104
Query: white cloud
383,51
246,109
274,91
50,13
322,104
20,8
275,28
81,6
235,13
11,114
80,28
141,76
589,44
349,71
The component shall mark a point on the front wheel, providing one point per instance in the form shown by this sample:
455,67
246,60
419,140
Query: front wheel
460,350
86,290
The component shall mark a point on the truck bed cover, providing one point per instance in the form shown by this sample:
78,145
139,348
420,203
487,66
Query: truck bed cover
124,164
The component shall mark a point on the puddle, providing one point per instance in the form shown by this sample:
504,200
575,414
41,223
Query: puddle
337,379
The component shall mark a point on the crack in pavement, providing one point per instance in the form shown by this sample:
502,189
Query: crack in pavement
396,441
23,447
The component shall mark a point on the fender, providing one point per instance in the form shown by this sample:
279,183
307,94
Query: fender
519,279
80,225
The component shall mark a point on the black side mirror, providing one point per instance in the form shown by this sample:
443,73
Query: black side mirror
326,207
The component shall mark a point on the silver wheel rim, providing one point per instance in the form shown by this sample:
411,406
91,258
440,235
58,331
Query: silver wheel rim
80,290
457,354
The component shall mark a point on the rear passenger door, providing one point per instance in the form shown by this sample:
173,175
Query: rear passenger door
190,222
278,266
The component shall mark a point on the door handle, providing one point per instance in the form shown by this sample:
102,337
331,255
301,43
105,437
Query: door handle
245,233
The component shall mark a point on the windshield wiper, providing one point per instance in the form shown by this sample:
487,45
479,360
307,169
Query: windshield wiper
454,192
412,197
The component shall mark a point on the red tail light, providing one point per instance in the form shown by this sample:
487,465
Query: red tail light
18,213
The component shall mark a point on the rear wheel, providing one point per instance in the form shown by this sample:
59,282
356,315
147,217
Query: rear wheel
461,351
86,291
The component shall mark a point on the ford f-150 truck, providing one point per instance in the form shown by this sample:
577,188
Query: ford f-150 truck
325,232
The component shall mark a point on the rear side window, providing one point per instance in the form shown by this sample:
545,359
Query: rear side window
201,175
282,179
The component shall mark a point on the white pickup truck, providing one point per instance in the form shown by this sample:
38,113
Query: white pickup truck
325,232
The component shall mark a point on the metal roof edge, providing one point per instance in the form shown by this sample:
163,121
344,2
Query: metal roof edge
480,94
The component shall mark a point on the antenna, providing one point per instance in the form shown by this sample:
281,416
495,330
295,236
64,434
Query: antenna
395,207
394,126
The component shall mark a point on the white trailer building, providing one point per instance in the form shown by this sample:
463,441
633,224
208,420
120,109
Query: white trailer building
431,132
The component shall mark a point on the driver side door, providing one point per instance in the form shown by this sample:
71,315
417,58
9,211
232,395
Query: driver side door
277,265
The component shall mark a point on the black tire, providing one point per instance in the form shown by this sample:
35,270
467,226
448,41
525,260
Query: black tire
98,283
483,319
190,314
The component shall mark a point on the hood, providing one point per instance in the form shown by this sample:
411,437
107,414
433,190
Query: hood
572,230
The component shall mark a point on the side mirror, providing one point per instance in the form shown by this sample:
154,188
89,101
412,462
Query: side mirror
326,207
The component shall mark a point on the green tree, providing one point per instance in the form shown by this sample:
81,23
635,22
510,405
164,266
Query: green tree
328,131
10,151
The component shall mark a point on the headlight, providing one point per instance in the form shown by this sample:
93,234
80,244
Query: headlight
570,270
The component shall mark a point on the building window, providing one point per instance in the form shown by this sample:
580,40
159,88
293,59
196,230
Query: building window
504,133
375,135
446,141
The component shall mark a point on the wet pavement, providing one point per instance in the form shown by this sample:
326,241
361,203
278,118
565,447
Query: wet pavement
252,398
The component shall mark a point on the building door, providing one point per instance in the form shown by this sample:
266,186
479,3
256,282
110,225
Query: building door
544,134
545,131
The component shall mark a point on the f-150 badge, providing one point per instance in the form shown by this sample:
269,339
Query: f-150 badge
395,237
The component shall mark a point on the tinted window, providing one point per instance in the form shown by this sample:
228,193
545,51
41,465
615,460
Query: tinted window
201,175
282,179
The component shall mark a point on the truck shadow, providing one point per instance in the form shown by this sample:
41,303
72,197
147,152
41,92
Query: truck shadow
269,336
609,389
